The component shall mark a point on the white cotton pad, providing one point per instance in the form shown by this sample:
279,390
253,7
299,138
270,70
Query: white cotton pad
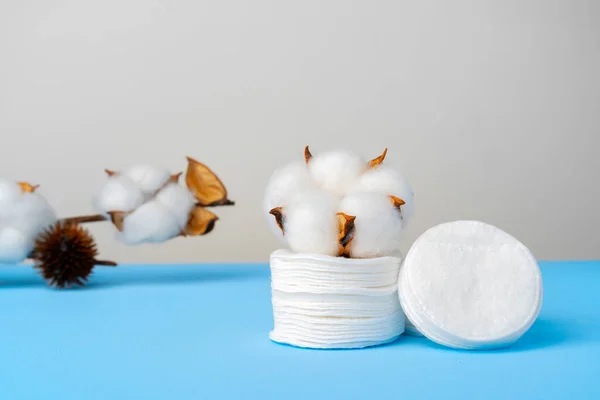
14,245
310,223
378,224
285,182
147,178
150,223
118,194
178,200
470,285
336,171
387,180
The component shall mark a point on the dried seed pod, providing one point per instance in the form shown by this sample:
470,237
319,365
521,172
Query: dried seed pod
346,230
374,163
201,222
65,254
205,185
27,187
307,154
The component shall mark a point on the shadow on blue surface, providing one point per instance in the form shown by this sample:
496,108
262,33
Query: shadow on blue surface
543,334
144,275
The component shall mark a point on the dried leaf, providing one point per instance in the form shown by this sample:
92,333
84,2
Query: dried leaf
376,161
346,229
307,154
201,222
397,202
118,218
28,188
110,172
205,185
277,212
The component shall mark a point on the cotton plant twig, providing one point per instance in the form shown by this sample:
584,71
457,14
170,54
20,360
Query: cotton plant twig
82,219
65,252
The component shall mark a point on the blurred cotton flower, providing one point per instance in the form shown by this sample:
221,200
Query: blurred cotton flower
24,214
148,205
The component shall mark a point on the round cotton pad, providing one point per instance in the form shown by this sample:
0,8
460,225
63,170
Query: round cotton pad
470,285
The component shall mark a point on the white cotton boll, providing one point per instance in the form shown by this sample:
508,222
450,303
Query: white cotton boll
147,178
119,194
10,193
150,223
388,181
31,214
310,223
378,226
14,246
285,182
178,200
336,171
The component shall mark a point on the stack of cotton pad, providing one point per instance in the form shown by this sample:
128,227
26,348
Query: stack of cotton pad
470,285
321,301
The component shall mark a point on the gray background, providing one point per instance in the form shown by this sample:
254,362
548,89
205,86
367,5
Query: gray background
490,109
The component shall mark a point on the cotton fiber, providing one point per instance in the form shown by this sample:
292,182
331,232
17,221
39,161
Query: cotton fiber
378,224
388,181
31,214
470,285
120,193
178,201
14,245
10,193
152,222
23,216
336,171
285,182
147,178
310,224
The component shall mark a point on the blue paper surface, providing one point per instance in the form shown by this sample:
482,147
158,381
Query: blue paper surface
201,332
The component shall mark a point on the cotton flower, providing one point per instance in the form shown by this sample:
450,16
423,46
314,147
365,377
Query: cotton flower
364,205
24,214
